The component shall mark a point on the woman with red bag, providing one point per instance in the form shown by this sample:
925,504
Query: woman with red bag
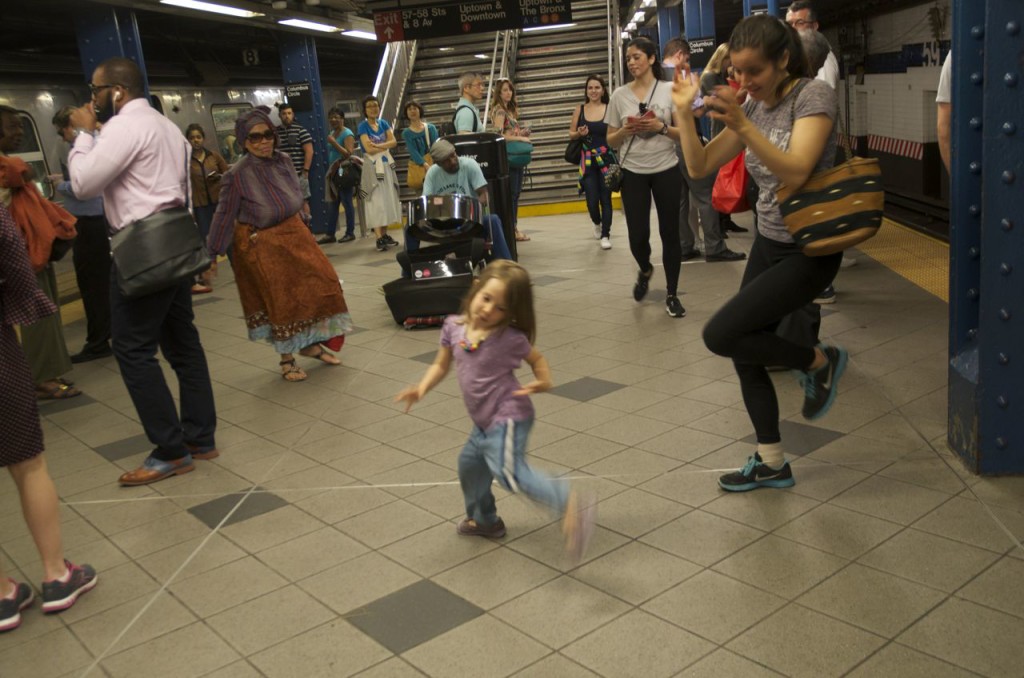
718,74
786,125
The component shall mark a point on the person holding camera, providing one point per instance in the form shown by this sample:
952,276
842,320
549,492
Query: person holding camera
640,123
206,168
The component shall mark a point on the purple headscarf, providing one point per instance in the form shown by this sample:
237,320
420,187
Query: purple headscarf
249,119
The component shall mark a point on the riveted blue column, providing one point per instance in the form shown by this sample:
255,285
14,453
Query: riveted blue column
1001,312
668,23
965,229
699,18
299,65
105,32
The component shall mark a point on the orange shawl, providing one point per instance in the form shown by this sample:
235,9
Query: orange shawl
40,221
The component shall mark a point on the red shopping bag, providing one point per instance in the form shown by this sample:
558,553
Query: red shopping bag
729,196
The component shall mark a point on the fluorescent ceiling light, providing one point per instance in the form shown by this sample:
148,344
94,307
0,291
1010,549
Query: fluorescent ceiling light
480,56
310,25
445,49
631,26
362,35
625,35
639,16
211,7
548,27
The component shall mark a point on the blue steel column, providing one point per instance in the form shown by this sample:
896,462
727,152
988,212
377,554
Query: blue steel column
699,18
986,371
668,23
105,32
299,64
750,5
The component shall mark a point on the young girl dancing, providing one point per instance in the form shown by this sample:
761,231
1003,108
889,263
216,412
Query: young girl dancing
488,340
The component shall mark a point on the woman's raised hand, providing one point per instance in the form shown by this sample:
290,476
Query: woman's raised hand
684,91
723,106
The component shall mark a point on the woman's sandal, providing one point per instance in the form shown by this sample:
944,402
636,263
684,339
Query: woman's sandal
290,371
321,355
521,237
60,391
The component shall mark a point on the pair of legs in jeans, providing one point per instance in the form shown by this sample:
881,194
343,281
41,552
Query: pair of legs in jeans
599,199
344,200
500,453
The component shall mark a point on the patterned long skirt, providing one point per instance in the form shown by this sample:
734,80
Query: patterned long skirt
291,295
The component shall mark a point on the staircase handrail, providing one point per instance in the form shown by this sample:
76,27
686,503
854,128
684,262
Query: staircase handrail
399,61
490,77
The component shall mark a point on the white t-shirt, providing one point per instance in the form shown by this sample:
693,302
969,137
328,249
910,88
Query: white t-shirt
945,93
656,153
830,71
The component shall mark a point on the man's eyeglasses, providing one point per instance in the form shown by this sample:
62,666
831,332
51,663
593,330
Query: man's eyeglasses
256,137
96,89
800,23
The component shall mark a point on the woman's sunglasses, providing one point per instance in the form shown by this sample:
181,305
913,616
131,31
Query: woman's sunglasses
256,137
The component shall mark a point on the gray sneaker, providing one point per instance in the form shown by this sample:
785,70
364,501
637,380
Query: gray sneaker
60,595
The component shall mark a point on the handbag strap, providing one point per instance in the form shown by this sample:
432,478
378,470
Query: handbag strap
847,153
630,144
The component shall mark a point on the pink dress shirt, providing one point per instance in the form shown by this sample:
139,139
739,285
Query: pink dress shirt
138,163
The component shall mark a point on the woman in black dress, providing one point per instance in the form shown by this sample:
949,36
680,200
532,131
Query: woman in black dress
21,446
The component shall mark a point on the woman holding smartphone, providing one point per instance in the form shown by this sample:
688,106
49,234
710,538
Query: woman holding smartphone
588,123
206,168
640,124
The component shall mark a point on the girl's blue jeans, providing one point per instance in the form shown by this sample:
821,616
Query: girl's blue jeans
499,453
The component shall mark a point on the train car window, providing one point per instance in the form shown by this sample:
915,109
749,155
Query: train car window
31,151
155,102
224,116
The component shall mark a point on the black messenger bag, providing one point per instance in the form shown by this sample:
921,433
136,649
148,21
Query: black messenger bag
158,252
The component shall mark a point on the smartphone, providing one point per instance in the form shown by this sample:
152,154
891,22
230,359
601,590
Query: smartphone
647,114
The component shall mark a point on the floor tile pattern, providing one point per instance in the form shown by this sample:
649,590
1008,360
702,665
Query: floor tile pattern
341,558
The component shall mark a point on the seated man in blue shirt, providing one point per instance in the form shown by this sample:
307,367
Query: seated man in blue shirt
452,174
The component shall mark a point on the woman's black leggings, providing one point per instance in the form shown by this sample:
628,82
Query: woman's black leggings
778,280
666,187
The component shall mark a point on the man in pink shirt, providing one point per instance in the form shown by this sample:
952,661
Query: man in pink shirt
138,162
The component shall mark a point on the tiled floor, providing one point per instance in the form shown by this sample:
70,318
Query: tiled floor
322,541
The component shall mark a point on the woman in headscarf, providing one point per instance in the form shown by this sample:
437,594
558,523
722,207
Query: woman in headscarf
290,293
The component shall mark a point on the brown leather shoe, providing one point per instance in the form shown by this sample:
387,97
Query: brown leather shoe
199,453
154,469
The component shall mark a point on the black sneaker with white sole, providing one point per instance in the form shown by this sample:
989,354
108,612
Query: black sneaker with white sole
382,245
757,474
822,385
673,307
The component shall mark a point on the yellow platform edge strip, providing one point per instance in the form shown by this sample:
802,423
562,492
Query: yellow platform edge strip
914,256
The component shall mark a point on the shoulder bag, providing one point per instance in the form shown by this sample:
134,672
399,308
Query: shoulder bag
574,149
836,208
159,251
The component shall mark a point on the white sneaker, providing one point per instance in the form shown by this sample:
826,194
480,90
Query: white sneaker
597,231
606,243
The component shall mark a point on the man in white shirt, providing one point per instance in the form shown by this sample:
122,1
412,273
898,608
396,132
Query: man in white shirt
802,17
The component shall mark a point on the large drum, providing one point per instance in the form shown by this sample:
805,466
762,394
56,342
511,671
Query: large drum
445,218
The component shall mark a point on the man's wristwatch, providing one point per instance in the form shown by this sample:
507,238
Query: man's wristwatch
81,130
664,130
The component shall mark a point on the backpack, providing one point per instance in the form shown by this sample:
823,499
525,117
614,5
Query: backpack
448,128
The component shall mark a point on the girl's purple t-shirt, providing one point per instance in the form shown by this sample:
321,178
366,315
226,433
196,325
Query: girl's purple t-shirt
486,375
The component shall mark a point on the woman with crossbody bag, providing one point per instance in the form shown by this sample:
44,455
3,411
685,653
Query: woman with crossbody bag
640,117
786,126
595,157
419,136
505,116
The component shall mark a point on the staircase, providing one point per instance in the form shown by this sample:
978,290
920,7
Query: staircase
550,76
434,84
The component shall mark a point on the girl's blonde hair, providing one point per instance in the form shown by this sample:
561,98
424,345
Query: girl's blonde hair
518,295
496,102
718,59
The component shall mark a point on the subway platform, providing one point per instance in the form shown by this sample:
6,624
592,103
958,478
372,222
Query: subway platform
322,541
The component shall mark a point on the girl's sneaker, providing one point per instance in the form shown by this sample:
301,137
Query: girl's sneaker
60,595
10,608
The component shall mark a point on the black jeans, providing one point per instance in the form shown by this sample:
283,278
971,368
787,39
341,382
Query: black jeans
599,199
778,280
164,319
92,272
666,187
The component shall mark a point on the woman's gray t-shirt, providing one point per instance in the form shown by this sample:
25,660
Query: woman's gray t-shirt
657,152
812,97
